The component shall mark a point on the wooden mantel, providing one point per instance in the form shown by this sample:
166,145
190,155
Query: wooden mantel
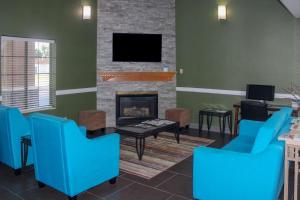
136,76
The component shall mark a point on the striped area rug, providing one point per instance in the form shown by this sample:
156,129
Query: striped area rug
160,153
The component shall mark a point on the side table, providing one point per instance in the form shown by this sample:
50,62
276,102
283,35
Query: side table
25,143
223,115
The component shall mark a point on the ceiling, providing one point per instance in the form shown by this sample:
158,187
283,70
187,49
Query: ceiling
293,6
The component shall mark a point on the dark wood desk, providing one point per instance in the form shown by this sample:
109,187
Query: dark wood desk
271,108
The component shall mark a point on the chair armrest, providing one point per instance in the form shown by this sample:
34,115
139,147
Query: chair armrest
249,128
82,129
92,161
239,175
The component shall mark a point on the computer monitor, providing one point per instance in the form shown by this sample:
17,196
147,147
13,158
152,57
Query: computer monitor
260,92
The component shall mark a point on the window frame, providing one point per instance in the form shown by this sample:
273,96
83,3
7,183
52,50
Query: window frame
52,72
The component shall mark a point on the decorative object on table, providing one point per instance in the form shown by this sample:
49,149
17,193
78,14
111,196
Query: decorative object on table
294,91
165,68
160,154
180,115
223,115
66,160
158,122
92,119
13,126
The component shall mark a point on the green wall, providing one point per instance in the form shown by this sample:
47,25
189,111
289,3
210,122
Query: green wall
259,43
75,44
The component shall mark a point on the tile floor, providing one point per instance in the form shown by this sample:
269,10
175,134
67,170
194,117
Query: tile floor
173,184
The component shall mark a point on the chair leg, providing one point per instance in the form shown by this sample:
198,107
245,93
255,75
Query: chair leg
17,172
113,180
72,198
40,184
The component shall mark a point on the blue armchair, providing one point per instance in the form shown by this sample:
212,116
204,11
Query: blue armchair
13,125
249,167
68,161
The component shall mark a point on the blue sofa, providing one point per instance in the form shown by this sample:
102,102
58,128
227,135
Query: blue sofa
249,167
13,125
65,159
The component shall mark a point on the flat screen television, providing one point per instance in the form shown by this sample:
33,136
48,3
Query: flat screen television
131,47
260,92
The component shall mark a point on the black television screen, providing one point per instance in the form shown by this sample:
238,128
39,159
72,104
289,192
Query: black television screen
260,92
129,47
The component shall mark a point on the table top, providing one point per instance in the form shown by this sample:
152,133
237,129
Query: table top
139,130
215,111
270,106
290,138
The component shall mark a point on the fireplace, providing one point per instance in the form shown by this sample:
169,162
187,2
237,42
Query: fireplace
136,107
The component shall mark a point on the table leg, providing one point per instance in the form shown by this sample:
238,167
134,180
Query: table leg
236,118
177,132
25,154
22,154
223,125
230,123
296,174
209,121
140,147
286,175
220,124
222,121
200,123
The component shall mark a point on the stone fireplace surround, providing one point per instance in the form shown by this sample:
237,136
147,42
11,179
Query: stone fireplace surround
131,16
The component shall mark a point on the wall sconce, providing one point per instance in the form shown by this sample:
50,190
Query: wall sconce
222,12
86,12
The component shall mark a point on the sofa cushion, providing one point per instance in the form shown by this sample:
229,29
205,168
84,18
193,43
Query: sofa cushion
241,144
286,127
269,131
287,111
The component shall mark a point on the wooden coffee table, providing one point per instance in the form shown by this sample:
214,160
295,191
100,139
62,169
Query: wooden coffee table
140,134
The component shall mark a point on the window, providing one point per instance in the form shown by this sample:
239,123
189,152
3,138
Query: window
28,73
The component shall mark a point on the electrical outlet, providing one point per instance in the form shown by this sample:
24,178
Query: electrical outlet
180,71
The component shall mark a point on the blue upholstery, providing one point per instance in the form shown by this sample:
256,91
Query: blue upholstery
66,160
13,125
249,167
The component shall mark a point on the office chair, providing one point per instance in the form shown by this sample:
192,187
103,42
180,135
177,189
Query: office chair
254,110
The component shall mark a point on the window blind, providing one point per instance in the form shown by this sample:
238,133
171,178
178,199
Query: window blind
28,73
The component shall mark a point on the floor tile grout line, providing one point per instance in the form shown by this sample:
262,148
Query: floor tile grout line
183,197
165,180
177,173
90,193
170,197
148,186
12,192
31,188
123,188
